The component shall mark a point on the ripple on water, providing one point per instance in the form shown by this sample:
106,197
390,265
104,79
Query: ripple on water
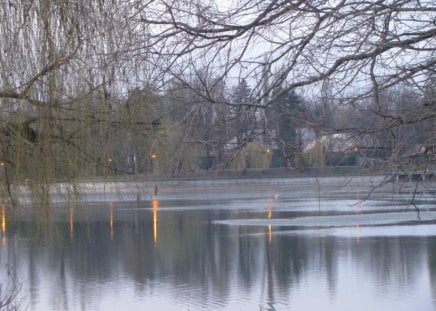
368,219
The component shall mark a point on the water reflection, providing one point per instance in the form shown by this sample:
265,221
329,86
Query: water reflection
71,218
111,220
186,261
269,216
154,208
432,269
3,228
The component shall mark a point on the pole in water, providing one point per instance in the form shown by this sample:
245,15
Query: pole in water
155,190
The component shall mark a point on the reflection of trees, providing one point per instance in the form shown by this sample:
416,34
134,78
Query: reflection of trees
392,259
248,253
432,267
289,263
210,259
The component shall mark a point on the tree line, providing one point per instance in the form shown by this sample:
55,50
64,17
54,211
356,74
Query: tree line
125,87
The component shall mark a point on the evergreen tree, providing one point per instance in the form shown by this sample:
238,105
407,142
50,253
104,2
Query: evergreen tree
285,120
243,111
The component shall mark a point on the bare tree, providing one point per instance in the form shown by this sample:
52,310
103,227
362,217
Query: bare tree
68,66
363,47
359,49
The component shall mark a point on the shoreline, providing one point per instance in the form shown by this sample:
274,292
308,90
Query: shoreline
138,187
282,172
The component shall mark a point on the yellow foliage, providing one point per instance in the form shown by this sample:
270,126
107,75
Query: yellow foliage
315,156
252,155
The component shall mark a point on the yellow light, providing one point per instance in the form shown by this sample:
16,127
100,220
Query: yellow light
153,156
109,160
111,221
269,216
4,226
3,220
2,164
155,206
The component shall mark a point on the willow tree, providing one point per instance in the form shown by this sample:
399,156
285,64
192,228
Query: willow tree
65,66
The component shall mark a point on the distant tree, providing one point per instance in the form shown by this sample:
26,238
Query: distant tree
68,66
360,48
243,115
285,114
251,155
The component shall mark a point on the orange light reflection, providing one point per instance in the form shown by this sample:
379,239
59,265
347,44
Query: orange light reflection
3,220
155,207
111,220
269,216
71,223
3,226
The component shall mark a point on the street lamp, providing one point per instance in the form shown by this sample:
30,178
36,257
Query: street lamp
154,162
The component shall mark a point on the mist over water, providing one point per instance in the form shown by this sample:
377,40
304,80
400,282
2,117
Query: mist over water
269,244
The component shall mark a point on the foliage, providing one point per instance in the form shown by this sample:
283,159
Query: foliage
95,88
285,119
243,112
315,156
252,155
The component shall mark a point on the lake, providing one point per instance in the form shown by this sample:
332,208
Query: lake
235,244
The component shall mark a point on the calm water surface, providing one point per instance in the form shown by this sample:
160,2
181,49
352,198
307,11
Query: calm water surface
285,244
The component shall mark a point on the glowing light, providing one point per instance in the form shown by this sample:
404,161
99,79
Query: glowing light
153,156
269,227
71,223
3,220
269,216
155,207
3,226
111,221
